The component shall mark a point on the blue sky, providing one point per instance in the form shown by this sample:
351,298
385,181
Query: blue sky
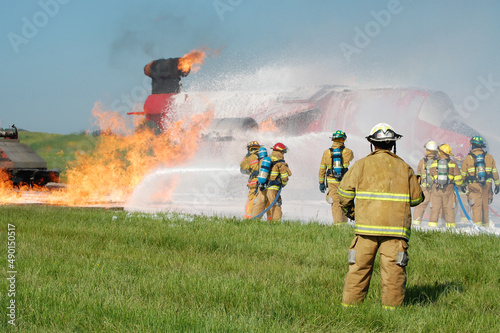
59,57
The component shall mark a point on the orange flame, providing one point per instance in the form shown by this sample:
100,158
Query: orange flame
268,126
192,61
120,161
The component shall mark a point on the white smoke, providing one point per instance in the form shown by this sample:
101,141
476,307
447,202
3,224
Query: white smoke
212,185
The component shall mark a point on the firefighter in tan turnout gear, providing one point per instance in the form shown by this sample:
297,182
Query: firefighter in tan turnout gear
250,166
445,173
479,171
385,188
278,178
334,165
426,182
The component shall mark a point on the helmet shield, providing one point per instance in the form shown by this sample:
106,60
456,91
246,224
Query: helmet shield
383,132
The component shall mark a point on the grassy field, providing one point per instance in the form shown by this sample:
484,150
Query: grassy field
58,149
81,270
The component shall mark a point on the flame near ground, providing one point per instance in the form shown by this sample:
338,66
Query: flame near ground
120,160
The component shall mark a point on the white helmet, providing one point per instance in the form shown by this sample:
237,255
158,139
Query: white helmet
431,145
383,132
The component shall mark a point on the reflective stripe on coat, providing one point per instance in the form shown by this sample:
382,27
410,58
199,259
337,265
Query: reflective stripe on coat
385,187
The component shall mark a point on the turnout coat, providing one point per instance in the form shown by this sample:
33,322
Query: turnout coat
385,188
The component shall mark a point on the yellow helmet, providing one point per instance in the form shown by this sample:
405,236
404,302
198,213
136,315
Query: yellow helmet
253,145
444,148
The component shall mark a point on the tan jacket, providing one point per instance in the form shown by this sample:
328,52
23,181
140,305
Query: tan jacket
454,175
250,165
326,162
469,170
385,188
279,172
422,170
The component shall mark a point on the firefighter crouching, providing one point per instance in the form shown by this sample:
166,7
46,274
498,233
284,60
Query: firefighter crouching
479,171
426,182
250,166
278,178
385,188
334,165
445,173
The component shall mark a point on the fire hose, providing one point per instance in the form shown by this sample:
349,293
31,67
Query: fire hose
465,211
269,207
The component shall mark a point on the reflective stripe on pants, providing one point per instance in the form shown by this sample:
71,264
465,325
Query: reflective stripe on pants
357,280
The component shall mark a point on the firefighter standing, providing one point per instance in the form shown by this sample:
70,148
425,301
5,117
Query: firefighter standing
445,173
479,170
385,188
250,166
261,198
278,178
459,159
426,182
334,164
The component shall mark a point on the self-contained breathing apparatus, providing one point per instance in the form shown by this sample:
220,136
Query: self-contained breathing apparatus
428,177
337,169
265,171
266,165
442,168
480,168
480,174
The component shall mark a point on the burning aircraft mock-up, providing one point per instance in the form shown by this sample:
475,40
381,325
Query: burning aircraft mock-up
209,182
420,115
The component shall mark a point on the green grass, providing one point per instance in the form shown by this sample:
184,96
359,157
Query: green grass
82,270
58,149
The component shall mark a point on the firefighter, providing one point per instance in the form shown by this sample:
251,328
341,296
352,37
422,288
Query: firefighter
445,174
250,166
385,188
334,165
278,178
459,159
262,180
479,170
423,170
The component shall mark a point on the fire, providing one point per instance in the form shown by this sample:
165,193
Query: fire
268,126
120,161
192,61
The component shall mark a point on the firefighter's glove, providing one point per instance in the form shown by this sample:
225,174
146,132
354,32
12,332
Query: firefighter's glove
349,212
497,189
464,189
322,187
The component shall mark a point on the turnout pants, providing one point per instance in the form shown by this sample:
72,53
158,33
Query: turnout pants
264,199
478,197
443,198
419,211
252,194
261,203
393,261
332,197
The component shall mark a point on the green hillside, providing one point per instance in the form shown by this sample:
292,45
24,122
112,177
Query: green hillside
58,149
